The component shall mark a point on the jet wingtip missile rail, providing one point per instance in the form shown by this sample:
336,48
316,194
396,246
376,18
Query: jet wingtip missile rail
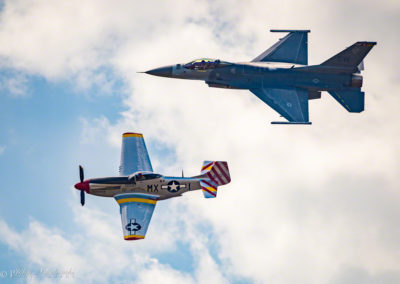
288,123
289,31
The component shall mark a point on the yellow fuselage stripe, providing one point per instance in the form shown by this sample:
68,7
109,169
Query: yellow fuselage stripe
141,200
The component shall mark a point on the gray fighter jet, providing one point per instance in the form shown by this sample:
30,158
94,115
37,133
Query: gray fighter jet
281,78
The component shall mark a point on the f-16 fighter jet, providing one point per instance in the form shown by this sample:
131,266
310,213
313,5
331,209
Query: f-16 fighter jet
281,78
138,188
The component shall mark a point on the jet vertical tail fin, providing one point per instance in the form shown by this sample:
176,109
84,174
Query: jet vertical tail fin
352,57
214,173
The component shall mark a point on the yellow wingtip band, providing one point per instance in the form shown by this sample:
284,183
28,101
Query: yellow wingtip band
131,134
133,237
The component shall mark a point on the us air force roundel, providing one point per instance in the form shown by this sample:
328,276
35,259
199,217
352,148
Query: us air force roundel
133,226
173,186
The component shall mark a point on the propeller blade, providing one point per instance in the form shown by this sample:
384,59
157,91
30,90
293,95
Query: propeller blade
82,197
82,177
182,173
81,174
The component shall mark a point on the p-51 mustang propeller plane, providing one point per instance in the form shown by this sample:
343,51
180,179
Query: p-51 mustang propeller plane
281,78
138,188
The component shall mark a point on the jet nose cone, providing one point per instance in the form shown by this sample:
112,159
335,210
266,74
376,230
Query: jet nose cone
83,186
162,71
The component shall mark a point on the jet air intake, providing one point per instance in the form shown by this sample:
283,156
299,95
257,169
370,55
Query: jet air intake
219,85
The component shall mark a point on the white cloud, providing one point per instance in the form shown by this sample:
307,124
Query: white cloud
2,149
161,274
91,130
15,84
98,253
305,203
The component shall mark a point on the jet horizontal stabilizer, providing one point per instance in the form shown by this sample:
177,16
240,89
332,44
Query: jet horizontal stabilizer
351,100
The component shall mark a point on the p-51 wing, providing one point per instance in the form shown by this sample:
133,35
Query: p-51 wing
291,103
136,211
134,156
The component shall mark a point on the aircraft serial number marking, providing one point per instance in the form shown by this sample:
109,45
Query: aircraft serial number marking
175,187
152,188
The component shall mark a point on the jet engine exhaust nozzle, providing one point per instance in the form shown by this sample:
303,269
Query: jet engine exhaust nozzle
356,81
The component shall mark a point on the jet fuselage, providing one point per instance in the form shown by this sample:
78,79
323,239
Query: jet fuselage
253,75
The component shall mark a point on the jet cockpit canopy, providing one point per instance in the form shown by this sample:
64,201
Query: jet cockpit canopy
205,64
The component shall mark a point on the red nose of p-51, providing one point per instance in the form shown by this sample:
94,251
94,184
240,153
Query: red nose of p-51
83,186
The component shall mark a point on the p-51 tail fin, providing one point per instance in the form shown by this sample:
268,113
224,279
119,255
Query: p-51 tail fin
351,57
213,173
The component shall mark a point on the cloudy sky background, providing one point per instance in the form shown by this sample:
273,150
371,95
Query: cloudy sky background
316,204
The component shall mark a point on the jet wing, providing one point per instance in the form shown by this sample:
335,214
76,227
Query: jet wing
291,49
134,156
136,210
292,103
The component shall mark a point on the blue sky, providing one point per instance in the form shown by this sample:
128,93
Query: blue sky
41,133
306,204
38,128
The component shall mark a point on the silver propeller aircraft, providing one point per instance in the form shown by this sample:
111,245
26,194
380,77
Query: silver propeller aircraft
138,188
281,78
